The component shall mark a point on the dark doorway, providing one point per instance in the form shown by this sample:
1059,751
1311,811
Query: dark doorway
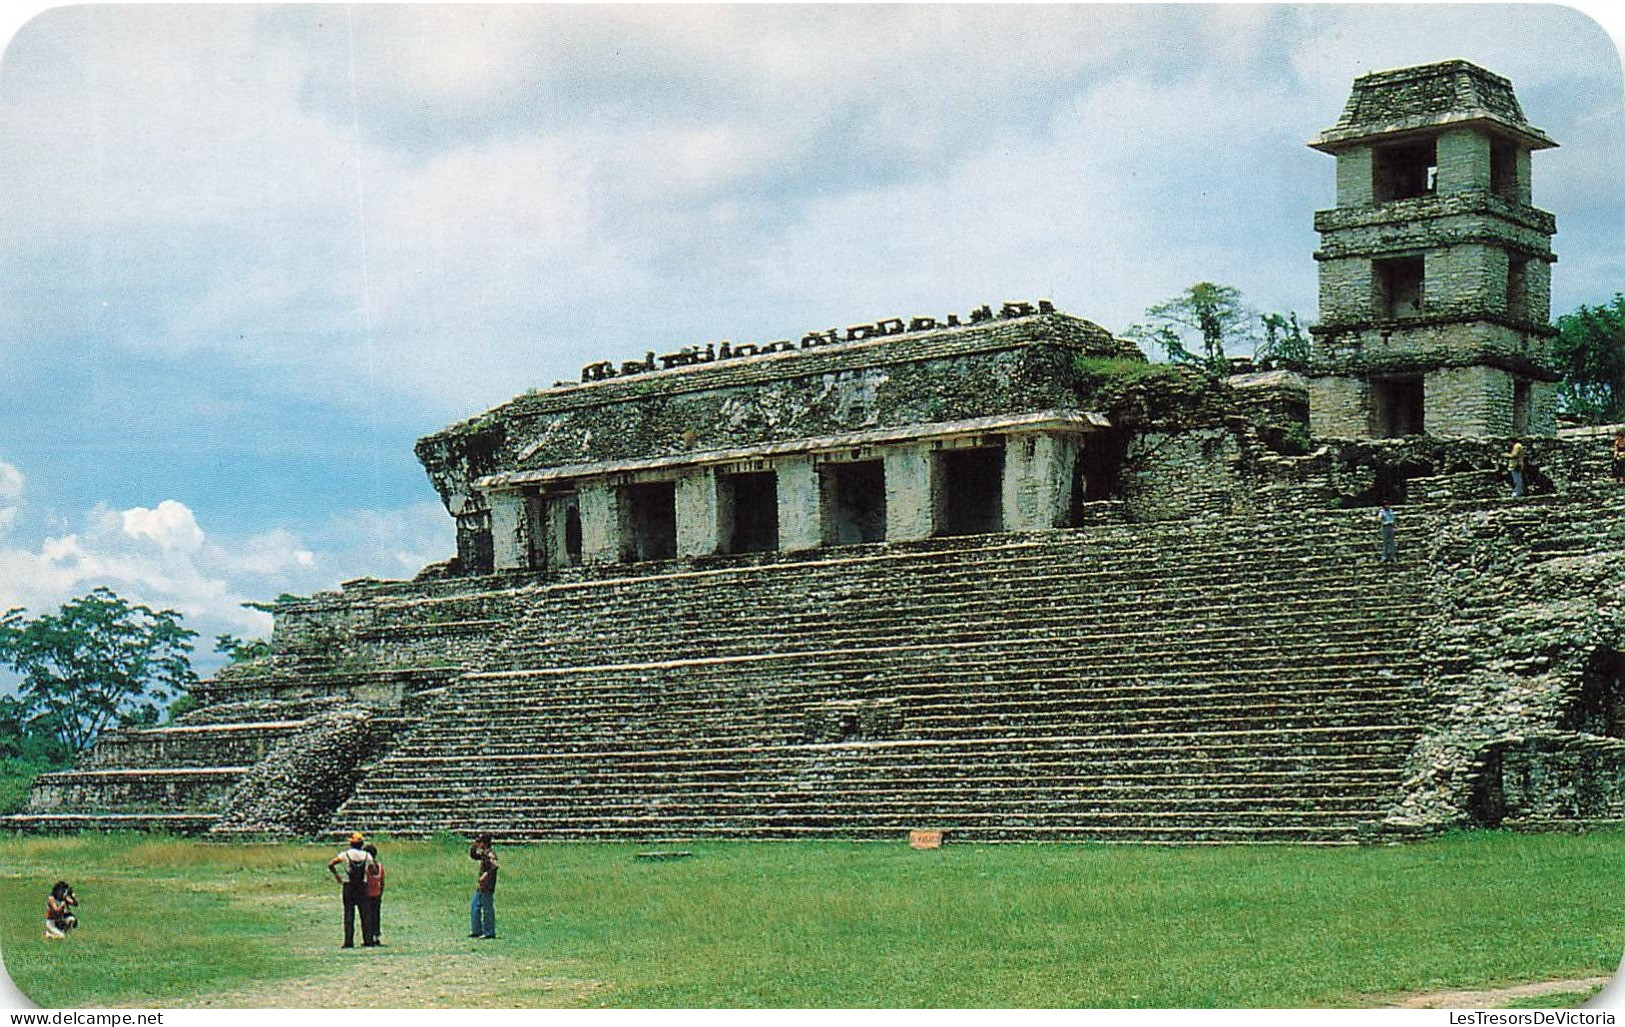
971,491
1094,477
854,502
1396,407
652,518
1599,709
754,511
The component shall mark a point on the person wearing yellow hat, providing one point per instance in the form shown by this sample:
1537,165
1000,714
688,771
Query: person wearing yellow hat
353,880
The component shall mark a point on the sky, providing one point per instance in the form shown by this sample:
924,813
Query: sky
249,254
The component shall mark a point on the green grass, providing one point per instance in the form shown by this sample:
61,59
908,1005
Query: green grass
824,924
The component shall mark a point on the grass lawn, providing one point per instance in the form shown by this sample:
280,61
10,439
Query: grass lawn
177,923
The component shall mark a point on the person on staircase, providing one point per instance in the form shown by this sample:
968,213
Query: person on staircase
1385,528
1517,463
1619,457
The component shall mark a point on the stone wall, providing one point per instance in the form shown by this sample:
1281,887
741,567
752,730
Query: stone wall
1175,476
1000,366
1525,599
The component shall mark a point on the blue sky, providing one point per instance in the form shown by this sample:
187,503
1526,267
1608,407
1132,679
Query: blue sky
248,254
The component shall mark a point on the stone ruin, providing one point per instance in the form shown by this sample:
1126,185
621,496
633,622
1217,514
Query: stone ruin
999,578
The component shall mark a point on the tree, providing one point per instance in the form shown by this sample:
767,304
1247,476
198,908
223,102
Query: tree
241,650
1212,314
1284,345
100,661
1590,351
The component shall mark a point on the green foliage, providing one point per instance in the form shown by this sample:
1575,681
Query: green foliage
1210,315
1590,351
1137,394
1285,345
238,650
100,661
821,924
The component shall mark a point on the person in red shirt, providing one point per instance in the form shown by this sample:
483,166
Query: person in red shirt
372,909
59,918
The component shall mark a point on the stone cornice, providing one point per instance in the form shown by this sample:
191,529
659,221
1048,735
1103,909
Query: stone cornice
1427,208
1032,332
1040,421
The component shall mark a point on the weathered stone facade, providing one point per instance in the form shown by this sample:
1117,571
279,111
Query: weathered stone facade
746,454
999,576
1435,270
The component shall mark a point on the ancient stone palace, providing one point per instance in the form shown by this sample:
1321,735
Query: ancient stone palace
989,572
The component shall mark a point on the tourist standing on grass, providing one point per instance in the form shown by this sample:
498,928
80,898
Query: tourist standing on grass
59,918
1619,457
1385,526
372,910
353,879
482,913
1517,462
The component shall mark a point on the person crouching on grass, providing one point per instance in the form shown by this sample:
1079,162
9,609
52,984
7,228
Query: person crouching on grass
59,918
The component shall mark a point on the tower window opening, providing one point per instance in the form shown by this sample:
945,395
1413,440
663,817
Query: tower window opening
1518,287
1399,286
1520,407
1504,169
1396,407
1404,170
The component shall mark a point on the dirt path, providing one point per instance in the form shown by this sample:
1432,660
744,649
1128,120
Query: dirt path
1494,998
415,981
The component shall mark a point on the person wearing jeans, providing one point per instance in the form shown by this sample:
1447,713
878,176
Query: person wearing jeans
482,915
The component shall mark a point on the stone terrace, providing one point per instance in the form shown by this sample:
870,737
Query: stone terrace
1212,681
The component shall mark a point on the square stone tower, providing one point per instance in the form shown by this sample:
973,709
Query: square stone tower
1435,270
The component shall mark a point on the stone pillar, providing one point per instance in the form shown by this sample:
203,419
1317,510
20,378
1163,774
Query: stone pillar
800,525
1463,156
602,529
510,531
1038,472
1354,177
910,493
1462,402
698,514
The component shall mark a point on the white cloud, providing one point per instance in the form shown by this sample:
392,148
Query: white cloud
163,557
171,525
11,495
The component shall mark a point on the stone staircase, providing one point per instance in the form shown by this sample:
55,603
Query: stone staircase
1206,681
178,777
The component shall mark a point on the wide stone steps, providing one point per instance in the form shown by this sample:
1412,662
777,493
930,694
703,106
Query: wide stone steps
1142,636
189,746
1176,684
145,790
690,637
1173,585
171,823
